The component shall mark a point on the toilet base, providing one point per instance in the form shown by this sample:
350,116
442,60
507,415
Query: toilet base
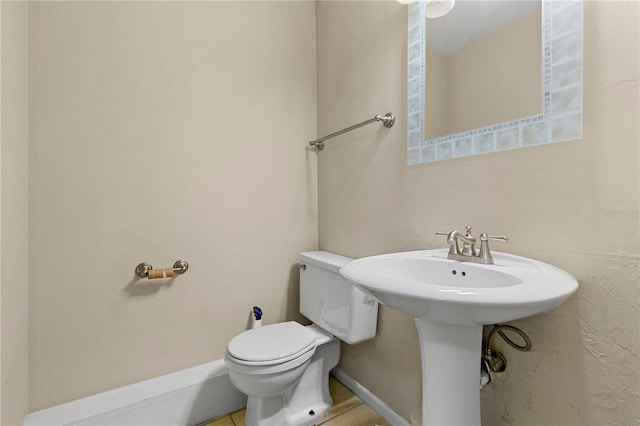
272,412
306,401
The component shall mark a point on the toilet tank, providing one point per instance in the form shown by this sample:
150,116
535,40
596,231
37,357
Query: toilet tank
331,302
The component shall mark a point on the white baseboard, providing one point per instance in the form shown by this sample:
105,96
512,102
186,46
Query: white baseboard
186,397
369,398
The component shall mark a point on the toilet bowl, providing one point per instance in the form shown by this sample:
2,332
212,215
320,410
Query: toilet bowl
291,388
267,361
284,368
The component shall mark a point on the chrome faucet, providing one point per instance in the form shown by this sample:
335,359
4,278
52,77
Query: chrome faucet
468,252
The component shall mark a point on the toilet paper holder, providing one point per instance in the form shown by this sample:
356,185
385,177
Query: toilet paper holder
145,270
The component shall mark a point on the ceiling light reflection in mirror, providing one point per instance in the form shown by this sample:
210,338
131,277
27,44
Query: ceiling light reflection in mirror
434,8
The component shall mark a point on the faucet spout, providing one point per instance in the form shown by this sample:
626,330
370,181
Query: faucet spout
468,242
452,240
468,252
466,239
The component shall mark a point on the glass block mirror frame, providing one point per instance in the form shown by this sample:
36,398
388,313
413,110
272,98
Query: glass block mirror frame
561,117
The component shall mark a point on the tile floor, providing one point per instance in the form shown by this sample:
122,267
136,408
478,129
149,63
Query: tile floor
347,410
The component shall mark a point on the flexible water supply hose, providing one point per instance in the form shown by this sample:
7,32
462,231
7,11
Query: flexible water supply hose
495,361
500,327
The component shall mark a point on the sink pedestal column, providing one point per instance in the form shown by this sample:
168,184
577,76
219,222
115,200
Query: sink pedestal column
450,373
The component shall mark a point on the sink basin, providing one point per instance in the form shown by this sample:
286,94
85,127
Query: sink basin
427,285
451,301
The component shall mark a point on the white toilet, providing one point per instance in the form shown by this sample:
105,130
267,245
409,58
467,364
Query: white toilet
284,367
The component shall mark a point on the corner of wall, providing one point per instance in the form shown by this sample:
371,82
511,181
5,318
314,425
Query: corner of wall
13,212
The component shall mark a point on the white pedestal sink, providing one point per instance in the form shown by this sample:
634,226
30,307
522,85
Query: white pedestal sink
451,301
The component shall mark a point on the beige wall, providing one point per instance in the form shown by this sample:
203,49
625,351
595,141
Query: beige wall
572,204
163,131
14,152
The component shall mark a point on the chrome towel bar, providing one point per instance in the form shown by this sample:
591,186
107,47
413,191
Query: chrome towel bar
388,119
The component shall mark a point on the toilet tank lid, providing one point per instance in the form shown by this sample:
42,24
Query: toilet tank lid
325,259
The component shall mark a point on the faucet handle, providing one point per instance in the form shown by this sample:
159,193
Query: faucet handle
485,237
485,253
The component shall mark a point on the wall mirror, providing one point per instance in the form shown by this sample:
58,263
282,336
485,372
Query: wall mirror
493,75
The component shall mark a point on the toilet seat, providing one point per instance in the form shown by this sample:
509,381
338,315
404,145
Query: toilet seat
272,345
